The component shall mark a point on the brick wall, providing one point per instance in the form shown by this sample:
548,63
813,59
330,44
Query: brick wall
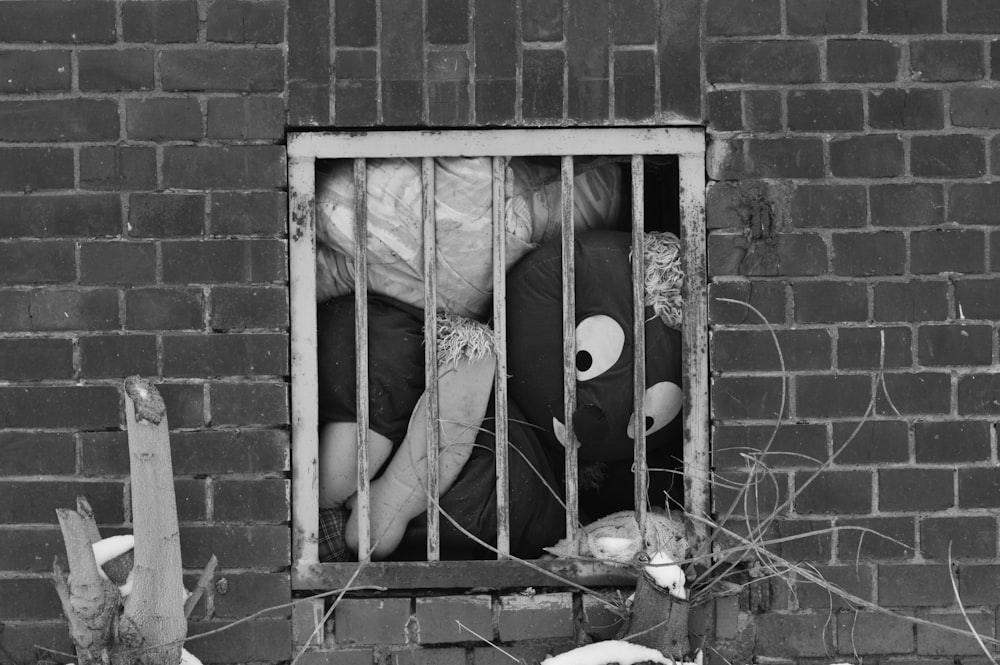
142,219
854,152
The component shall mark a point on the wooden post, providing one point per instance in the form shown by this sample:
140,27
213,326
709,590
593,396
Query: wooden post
658,620
155,608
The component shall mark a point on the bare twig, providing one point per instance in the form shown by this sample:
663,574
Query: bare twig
961,607
201,587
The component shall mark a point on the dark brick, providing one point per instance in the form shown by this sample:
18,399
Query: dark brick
160,22
249,404
448,89
37,262
448,21
247,213
862,60
185,403
117,70
541,616
267,639
635,85
911,204
496,41
832,395
29,501
860,348
166,215
978,585
792,157
224,355
34,71
239,451
104,454
995,251
495,101
952,156
955,345
196,261
72,407
870,156
950,442
754,350
252,592
856,581
263,546
830,302
867,254
372,621
978,298
29,169
438,617
30,549
904,18
23,639
975,107
231,167
974,203
824,17
430,656
743,17
246,118
355,63
236,308
309,77
64,309
726,203
833,206
587,44
60,22
541,20
33,359
246,500
795,635
634,22
59,120
762,110
918,393
899,108
725,110
934,252
767,297
825,110
789,446
936,60
910,585
542,84
189,496
355,24
163,309
979,394
875,538
979,487
252,22
86,215
153,119
749,397
117,167
792,254
769,62
110,356
871,442
223,70
30,599
965,537
355,103
975,16
939,641
875,633
916,490
15,308
680,40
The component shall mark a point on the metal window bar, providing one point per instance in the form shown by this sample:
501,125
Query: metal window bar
303,150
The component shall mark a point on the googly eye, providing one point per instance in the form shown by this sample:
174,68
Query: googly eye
660,404
599,344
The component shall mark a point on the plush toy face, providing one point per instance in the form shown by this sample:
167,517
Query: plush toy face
604,422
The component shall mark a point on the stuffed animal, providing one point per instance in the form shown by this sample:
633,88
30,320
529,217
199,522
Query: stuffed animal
604,422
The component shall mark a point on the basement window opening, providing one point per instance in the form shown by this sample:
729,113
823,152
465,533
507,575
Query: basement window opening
544,288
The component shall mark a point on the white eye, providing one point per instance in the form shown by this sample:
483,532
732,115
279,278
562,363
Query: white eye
599,344
661,403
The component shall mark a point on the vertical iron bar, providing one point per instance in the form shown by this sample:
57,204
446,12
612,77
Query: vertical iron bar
361,346
639,335
500,342
431,359
569,352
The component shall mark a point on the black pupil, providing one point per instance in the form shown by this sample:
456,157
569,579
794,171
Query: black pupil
649,422
583,361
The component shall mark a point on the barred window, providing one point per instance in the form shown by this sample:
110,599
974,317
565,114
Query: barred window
443,426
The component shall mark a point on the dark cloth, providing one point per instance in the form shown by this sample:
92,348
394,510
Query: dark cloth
332,546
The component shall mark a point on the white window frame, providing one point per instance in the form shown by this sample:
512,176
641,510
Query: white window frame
303,149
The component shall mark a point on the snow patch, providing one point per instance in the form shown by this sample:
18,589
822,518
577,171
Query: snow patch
667,575
611,651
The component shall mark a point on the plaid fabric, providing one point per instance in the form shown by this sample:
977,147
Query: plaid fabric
332,546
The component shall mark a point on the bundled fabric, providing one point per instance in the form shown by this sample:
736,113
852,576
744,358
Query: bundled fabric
463,210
